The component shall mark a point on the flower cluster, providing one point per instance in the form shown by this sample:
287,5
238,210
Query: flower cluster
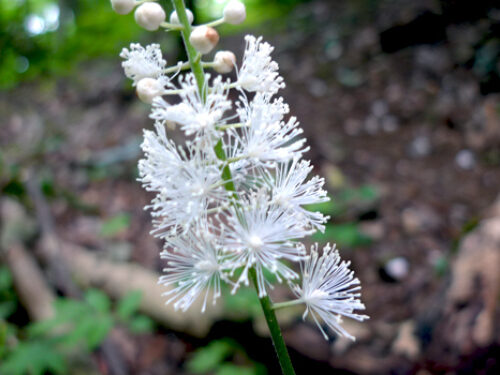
234,197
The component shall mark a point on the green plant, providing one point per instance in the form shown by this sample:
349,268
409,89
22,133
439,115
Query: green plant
215,358
78,326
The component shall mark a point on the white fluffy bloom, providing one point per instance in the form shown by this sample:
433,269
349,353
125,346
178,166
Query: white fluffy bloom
291,191
259,72
266,138
329,290
211,233
185,185
143,62
260,235
195,265
193,114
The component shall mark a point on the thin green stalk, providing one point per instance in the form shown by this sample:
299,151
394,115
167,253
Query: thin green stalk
274,329
196,66
282,305
197,69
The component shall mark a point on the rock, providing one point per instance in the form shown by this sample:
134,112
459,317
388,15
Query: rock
477,263
397,268
465,159
418,219
420,147
406,343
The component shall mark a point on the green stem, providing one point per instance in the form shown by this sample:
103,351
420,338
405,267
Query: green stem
218,22
197,69
282,305
196,66
274,329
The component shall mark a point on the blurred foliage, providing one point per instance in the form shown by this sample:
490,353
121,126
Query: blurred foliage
77,327
345,200
40,38
115,225
43,38
216,357
245,303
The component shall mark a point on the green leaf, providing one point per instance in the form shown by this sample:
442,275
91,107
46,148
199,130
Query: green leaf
230,369
70,309
347,235
210,357
34,358
129,304
98,300
368,193
141,324
5,279
99,331
7,308
90,330
245,300
115,225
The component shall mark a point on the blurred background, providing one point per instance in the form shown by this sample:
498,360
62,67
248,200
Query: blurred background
399,102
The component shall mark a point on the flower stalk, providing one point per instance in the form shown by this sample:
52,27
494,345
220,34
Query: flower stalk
274,329
232,202
265,302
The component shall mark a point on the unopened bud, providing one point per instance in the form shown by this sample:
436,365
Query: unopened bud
234,12
175,20
204,38
224,61
123,6
150,16
148,89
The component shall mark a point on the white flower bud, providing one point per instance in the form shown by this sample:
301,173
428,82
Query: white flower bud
234,12
224,61
204,38
150,16
148,89
123,6
175,20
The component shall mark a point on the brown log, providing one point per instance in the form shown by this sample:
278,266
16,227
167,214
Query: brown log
118,279
31,286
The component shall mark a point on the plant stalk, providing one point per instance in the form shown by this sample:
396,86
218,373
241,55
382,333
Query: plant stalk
197,69
274,329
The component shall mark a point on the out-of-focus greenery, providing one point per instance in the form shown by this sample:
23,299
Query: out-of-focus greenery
345,234
46,38
215,359
78,326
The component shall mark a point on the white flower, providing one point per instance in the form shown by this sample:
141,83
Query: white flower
192,114
123,6
259,235
266,138
258,71
291,190
329,290
204,38
148,89
234,12
187,184
143,62
195,265
224,61
150,16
